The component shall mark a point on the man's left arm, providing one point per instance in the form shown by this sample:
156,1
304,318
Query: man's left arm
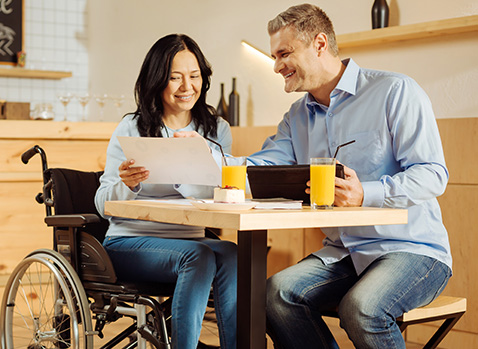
417,151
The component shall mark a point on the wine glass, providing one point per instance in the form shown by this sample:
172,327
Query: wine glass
65,98
83,99
101,101
118,102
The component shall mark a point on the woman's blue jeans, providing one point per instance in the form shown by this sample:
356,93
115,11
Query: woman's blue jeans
194,265
368,305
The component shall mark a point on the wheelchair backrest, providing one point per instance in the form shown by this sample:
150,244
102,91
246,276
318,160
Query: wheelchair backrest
74,193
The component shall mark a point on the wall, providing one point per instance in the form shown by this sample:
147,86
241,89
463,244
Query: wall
104,42
55,39
122,33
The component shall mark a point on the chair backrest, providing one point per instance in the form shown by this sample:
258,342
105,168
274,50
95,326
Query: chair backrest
74,193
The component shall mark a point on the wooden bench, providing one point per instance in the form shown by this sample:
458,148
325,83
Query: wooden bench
445,308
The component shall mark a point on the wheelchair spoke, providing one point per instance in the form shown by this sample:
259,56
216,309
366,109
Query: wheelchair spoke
42,309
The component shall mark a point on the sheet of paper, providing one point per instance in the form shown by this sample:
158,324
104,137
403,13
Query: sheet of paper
173,160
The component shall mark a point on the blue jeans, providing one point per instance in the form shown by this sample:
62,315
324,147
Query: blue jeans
194,265
368,305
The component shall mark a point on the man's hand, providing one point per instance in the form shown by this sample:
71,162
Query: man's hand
132,176
348,191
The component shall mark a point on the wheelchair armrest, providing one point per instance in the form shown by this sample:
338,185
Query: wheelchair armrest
73,220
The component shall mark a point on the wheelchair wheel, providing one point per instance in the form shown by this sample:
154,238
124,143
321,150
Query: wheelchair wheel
45,305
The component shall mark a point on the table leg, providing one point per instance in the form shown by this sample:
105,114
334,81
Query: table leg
251,289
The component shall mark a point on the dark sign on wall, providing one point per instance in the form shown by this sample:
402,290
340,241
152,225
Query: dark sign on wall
11,30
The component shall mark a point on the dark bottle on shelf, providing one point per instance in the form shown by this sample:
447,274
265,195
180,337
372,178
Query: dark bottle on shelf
233,109
222,106
380,14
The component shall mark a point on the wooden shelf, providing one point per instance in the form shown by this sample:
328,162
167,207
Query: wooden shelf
33,74
409,32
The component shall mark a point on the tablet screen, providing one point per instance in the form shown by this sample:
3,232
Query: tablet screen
283,181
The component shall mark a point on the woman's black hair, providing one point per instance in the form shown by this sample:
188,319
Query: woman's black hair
154,78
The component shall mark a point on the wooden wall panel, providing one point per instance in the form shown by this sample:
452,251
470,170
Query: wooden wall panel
462,226
459,144
286,249
312,240
22,228
86,155
247,140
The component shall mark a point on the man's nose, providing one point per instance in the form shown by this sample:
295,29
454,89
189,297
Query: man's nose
278,66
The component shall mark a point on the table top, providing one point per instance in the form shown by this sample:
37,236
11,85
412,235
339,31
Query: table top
256,219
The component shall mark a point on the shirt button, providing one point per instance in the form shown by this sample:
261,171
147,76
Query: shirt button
333,144
331,114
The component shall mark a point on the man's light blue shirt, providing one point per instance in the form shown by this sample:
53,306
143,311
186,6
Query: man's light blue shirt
397,156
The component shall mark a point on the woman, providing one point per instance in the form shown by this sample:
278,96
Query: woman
171,101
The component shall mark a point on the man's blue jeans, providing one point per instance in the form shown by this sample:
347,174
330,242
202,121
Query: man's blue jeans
194,265
367,304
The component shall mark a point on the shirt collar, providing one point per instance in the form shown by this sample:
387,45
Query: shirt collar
347,83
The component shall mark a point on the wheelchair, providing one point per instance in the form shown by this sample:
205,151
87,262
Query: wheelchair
53,296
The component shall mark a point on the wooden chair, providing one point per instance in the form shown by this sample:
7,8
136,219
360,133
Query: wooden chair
445,308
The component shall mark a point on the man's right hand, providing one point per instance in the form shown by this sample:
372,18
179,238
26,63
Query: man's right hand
132,176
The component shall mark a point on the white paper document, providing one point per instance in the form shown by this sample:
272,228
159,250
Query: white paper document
173,160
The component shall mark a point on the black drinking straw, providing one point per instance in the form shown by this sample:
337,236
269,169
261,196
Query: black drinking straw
342,145
220,148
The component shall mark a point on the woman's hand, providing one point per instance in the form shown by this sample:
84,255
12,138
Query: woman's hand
132,176
184,134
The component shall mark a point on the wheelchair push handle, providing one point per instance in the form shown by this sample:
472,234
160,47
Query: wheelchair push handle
44,197
26,156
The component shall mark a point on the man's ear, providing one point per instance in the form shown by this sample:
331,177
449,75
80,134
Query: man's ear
320,43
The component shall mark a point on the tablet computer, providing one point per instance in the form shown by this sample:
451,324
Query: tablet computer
282,181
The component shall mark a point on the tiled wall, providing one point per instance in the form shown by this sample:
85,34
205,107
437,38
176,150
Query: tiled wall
55,39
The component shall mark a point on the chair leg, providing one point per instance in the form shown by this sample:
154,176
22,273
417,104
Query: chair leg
403,326
141,322
442,331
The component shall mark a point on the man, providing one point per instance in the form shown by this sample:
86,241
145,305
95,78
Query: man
371,274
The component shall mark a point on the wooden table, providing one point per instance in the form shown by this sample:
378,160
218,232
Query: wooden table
252,226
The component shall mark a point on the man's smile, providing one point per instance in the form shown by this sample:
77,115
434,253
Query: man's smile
286,76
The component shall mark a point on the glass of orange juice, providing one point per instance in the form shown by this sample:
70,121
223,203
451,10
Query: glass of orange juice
234,172
322,182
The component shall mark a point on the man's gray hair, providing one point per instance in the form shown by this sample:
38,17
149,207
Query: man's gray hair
308,21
